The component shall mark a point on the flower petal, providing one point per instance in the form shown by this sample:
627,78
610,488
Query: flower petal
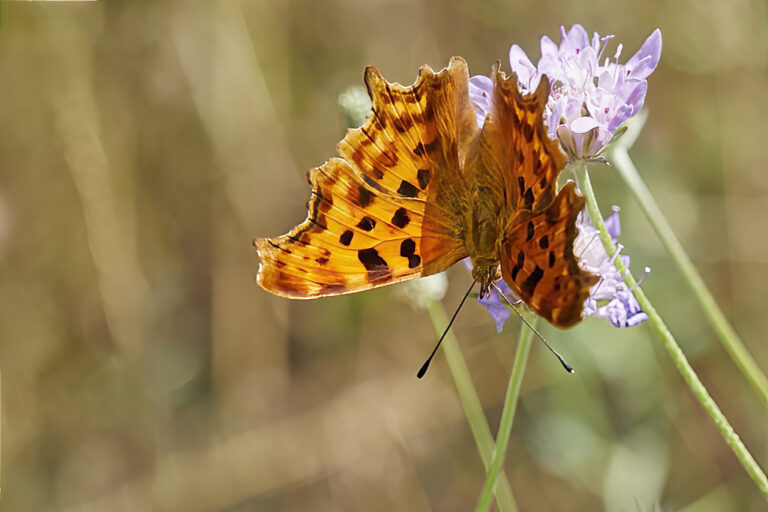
480,93
631,106
647,57
612,224
583,124
548,47
482,83
522,66
576,38
496,308
639,317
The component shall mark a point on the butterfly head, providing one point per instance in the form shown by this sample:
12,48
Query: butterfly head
485,273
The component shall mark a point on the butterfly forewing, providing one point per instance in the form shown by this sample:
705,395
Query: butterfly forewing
517,154
373,219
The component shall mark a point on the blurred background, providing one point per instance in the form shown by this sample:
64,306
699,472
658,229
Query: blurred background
144,144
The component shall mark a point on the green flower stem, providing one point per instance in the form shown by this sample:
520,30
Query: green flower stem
670,344
731,341
471,404
507,414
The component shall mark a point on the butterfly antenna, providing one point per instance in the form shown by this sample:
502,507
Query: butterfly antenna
425,366
560,358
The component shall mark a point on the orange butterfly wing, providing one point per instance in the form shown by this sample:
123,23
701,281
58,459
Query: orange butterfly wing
369,223
537,259
515,151
538,262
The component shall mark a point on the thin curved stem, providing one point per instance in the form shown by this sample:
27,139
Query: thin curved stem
669,342
470,401
620,159
507,414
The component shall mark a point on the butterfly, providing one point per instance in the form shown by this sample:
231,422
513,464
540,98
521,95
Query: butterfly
420,186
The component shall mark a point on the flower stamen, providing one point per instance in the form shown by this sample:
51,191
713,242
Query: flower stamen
646,273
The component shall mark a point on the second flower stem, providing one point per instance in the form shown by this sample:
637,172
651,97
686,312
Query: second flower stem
669,342
507,414
731,341
471,404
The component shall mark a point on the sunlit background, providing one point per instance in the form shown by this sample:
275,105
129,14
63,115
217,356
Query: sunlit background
144,144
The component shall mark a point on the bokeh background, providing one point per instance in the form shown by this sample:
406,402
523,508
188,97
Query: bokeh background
144,144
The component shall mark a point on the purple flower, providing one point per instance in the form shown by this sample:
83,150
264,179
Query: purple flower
610,298
588,101
480,93
496,306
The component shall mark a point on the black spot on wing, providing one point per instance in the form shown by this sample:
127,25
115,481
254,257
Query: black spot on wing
408,247
371,260
528,199
422,149
407,189
365,196
518,266
423,176
530,231
529,285
375,265
544,242
366,223
400,218
528,132
552,215
429,112
346,237
551,259
408,250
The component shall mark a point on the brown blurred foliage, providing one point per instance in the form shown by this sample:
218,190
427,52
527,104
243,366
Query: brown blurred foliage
144,144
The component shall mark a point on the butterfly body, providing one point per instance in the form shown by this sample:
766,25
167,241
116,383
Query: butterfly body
421,186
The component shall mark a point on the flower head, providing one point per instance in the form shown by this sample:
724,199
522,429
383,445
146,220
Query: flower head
588,100
610,299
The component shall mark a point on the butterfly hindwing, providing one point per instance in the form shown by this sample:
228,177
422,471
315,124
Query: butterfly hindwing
369,223
538,262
